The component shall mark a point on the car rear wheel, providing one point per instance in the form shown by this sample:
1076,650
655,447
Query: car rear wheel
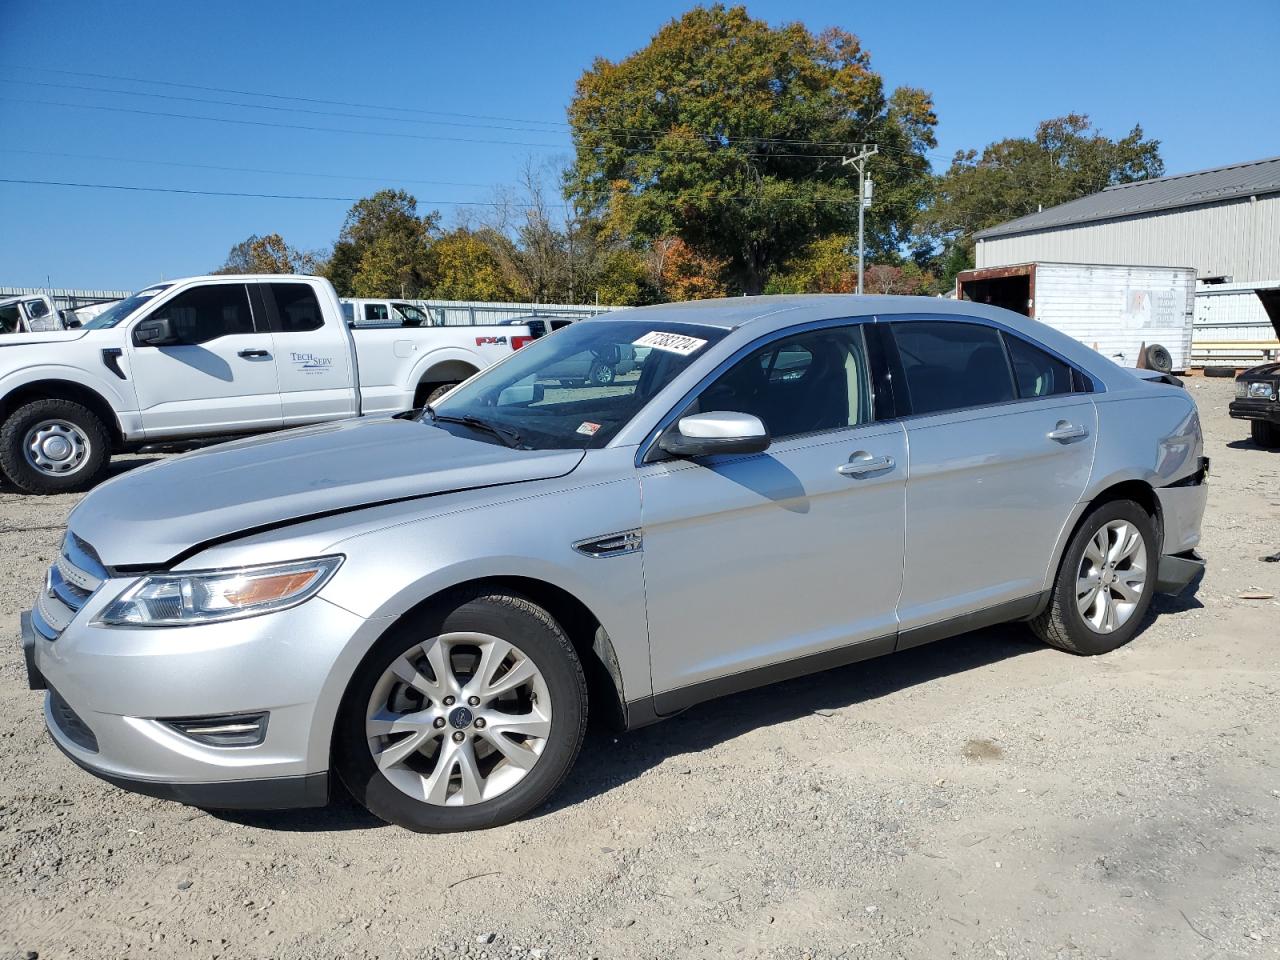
601,374
1105,583
1265,434
466,717
53,446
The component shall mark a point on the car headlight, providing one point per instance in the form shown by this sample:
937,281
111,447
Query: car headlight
1262,391
209,596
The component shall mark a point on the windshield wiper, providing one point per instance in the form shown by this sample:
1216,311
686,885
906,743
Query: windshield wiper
508,436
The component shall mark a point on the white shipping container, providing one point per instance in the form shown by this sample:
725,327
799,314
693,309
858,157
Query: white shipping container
1114,309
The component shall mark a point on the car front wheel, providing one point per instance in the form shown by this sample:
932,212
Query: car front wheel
1266,435
54,446
465,717
1105,583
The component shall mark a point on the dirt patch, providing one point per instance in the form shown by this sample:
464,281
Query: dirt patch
1134,812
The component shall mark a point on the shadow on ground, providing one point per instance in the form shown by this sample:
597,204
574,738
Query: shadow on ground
610,759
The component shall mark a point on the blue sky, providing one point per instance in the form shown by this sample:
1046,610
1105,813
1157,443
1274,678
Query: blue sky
1204,80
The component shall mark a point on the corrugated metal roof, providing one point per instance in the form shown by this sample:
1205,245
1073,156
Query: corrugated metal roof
1148,196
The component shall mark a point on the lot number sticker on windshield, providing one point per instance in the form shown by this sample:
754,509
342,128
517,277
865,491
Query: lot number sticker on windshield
588,428
671,342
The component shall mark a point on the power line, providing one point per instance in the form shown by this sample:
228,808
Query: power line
208,166
428,203
264,106
380,133
624,132
223,193
284,126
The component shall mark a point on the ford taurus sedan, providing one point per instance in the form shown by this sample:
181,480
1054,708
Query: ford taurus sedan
429,606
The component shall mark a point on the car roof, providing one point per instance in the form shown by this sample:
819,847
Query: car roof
747,318
731,313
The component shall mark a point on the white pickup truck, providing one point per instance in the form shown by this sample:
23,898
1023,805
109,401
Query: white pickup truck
214,357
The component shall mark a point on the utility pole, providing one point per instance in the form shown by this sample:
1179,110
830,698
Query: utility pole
859,162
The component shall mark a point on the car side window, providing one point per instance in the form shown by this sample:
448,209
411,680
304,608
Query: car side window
1038,374
297,309
208,312
376,313
805,383
952,365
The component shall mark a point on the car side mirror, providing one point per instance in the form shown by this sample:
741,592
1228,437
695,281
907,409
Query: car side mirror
155,332
705,434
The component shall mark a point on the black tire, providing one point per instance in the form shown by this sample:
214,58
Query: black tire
438,391
1062,625
1265,435
501,614
23,475
601,374
1159,359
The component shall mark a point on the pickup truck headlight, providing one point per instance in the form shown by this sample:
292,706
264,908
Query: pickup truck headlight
210,596
1262,391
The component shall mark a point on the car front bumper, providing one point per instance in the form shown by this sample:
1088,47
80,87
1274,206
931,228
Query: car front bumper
1248,409
111,689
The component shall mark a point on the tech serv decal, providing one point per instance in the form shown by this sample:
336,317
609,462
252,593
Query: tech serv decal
310,363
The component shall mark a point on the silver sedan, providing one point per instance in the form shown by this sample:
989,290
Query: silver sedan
429,606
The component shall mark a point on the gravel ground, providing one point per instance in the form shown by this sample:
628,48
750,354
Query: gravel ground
982,797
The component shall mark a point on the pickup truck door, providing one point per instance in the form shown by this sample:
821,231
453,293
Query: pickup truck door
313,357
220,378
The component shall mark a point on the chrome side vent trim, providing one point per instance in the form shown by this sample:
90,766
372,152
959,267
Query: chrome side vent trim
613,545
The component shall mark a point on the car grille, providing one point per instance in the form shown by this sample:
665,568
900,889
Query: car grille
71,581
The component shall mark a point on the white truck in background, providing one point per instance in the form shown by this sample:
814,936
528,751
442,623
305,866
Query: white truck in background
1135,316
38,313
211,357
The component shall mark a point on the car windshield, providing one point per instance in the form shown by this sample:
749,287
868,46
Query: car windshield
122,308
576,390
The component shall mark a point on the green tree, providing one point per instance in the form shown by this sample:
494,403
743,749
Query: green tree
465,266
384,247
1067,158
269,254
728,133
824,266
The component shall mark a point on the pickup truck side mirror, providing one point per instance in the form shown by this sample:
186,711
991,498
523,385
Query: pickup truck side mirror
155,332
704,434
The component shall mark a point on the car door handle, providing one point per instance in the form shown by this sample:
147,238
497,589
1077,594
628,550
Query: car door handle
1065,432
253,354
861,464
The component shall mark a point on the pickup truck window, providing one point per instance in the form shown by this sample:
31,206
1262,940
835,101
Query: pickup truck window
576,390
376,313
122,308
206,313
297,309
411,316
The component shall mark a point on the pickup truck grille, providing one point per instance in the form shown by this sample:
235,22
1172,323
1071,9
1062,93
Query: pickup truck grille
71,581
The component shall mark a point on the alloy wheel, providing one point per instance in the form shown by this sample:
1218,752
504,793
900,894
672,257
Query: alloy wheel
1112,575
458,719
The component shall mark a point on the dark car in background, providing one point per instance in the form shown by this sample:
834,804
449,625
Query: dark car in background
1258,401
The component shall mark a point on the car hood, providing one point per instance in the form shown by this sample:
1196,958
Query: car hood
46,336
1261,371
151,515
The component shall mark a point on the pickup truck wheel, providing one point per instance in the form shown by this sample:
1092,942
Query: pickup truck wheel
53,446
1105,582
465,717
1265,435
439,391
601,374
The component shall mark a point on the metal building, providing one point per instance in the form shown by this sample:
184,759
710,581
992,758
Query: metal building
1224,222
